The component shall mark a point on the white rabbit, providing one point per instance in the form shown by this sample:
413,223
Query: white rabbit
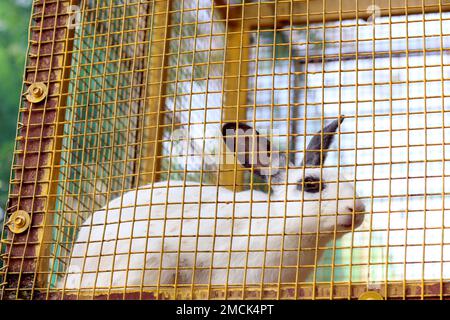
184,234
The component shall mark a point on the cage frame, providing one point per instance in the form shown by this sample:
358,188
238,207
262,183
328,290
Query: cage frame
39,132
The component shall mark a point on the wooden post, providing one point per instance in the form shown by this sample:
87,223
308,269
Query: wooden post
153,122
235,94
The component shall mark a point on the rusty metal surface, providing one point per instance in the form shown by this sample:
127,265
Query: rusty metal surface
35,144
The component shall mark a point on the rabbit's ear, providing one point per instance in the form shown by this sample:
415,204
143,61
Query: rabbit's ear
316,152
252,150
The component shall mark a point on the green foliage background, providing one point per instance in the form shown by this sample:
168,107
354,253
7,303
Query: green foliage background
14,19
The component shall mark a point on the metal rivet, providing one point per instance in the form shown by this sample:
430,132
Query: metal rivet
36,92
19,221
371,295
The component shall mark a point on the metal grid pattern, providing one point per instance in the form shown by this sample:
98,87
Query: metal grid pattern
121,166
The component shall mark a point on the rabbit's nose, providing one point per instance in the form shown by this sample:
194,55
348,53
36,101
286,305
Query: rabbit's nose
358,212
358,207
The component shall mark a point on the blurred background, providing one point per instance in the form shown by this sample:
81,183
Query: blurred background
14,17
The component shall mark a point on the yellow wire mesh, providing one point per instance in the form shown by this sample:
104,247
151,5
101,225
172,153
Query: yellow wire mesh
138,92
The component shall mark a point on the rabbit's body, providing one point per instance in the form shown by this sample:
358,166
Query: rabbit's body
180,233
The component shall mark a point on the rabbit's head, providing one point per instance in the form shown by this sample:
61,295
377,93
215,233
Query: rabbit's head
309,190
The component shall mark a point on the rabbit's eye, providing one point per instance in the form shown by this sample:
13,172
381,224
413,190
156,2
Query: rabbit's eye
310,184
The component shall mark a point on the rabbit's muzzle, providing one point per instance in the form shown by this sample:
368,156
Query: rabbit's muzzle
353,217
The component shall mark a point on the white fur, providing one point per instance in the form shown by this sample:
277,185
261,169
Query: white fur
158,235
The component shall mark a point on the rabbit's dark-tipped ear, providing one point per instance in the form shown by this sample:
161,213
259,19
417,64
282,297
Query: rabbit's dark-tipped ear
316,152
251,149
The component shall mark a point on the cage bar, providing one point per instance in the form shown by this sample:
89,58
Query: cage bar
124,77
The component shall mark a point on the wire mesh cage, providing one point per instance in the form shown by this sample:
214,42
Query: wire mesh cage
134,172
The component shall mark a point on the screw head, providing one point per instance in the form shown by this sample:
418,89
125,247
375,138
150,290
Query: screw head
19,221
36,92
371,295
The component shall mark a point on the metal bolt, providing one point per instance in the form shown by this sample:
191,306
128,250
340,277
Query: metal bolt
19,221
36,92
371,295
